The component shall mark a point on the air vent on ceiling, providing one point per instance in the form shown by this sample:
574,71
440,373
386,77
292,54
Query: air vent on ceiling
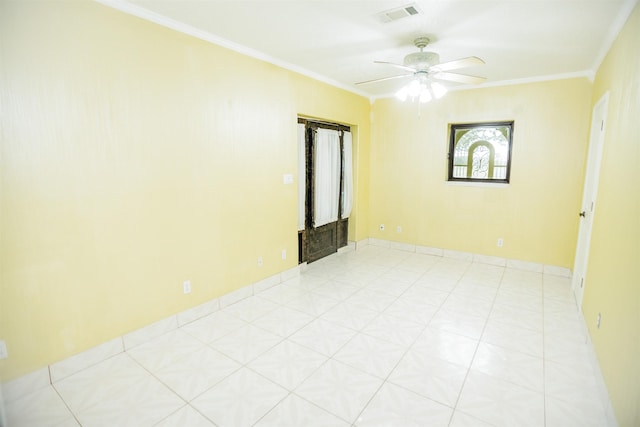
399,13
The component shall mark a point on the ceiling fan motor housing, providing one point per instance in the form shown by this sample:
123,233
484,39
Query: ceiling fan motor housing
421,60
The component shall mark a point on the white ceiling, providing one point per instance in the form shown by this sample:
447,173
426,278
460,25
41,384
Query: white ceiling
338,40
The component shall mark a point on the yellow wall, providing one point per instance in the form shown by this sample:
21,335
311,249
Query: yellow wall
536,214
134,158
613,276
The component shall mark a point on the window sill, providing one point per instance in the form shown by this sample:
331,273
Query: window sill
477,184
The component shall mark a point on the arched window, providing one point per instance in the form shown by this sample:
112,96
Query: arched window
480,152
482,157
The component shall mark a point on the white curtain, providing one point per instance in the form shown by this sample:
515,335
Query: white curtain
302,176
327,179
347,184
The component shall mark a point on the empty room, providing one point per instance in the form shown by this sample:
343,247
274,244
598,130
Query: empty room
319,213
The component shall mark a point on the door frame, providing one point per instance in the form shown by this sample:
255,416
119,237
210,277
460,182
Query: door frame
589,195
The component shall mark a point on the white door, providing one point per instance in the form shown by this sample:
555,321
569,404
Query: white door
596,142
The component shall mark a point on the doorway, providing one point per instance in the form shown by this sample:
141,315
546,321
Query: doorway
325,201
590,192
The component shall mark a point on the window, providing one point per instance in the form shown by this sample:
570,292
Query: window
480,152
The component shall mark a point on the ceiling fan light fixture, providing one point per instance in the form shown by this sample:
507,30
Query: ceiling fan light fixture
438,90
414,88
422,90
402,93
425,96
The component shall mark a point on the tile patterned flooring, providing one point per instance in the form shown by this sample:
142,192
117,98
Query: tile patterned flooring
373,337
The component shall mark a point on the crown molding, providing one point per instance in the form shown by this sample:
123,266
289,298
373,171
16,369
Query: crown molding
159,19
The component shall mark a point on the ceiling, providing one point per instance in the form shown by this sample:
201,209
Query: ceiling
337,41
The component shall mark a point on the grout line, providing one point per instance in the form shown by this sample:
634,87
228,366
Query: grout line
406,350
464,381
64,402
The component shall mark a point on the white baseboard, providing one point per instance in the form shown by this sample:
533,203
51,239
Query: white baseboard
468,256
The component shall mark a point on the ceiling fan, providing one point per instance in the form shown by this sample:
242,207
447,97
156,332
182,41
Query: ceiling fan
425,67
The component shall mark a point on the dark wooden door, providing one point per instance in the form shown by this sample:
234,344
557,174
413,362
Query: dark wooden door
322,241
315,243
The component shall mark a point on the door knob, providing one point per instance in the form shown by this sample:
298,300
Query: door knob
583,214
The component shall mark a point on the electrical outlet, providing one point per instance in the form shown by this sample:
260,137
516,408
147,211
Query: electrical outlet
399,229
284,254
381,227
3,350
259,261
598,320
186,286
500,242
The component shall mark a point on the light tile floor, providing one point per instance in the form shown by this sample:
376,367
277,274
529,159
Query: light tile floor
374,337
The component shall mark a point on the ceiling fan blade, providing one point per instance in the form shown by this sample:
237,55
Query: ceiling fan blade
459,63
402,67
459,78
384,78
